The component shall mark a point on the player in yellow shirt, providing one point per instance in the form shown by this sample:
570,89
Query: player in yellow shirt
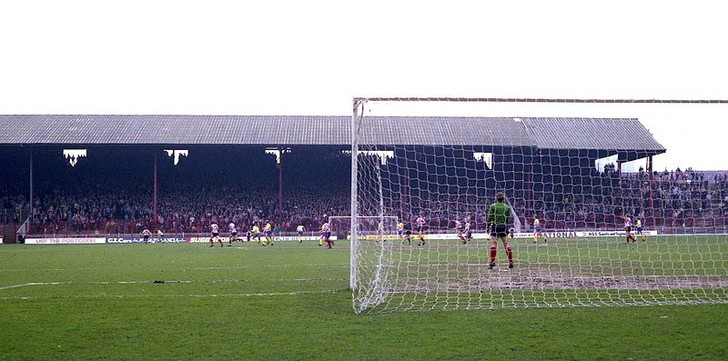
268,230
639,230
256,233
537,231
400,230
300,229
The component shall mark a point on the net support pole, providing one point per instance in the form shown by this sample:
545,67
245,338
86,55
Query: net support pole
354,190
30,207
381,189
280,183
155,222
651,178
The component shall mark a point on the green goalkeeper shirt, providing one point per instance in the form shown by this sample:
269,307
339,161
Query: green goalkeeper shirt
498,213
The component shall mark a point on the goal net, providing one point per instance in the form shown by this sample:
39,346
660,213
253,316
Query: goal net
375,237
590,171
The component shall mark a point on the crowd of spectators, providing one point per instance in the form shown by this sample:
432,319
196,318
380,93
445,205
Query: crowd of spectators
662,199
13,208
668,199
189,198
184,211
317,186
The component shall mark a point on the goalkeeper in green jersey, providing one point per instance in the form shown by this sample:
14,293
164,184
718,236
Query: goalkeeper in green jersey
498,215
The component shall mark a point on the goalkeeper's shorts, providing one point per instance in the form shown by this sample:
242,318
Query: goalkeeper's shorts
498,230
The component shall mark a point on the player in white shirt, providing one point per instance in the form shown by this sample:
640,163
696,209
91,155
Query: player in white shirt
145,235
326,235
233,234
300,229
467,232
214,232
459,230
628,228
380,233
463,230
420,229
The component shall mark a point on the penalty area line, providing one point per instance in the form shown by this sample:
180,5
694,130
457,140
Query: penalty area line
145,282
208,295
30,284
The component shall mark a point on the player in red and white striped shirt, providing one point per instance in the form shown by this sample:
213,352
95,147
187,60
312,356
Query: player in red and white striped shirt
420,228
214,232
233,234
326,235
628,228
145,235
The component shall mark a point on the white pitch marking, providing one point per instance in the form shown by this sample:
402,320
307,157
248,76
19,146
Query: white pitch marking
149,282
24,285
271,266
81,283
270,294
201,268
35,269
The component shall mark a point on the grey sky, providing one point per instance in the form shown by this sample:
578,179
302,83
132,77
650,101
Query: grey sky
312,57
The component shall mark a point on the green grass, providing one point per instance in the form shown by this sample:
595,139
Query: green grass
578,271
291,301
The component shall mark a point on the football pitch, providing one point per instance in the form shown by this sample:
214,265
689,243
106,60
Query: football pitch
291,301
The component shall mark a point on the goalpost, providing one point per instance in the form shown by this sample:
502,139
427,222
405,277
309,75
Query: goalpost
578,165
376,235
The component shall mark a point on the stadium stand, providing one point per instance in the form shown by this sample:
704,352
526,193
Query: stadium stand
229,177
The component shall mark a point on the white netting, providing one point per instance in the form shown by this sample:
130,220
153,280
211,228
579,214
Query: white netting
578,191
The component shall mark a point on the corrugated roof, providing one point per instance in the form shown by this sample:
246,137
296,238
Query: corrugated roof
590,133
544,133
443,130
172,129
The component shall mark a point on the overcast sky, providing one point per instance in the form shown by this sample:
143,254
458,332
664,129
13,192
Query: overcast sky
311,57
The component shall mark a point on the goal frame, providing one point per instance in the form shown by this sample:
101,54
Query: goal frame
358,115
